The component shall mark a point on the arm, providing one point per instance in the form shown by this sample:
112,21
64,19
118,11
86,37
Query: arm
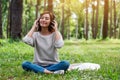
33,29
28,39
58,40
57,33
58,37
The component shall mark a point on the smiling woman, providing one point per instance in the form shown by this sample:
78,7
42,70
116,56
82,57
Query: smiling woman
45,42
45,20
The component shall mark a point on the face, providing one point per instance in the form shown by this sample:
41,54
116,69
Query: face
45,20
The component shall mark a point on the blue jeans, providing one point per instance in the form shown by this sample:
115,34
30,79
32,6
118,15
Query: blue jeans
28,66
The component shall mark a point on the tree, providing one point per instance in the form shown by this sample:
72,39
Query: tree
86,21
114,4
1,35
37,8
8,21
16,8
111,29
96,20
68,19
26,18
78,8
105,21
44,5
62,20
95,11
93,20
50,5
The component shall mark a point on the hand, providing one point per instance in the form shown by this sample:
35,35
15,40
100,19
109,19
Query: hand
55,25
33,29
35,25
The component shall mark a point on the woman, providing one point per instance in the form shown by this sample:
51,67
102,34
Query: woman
45,38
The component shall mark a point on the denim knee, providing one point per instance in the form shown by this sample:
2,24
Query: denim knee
25,64
66,64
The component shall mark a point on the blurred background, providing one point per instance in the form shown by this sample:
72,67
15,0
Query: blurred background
77,19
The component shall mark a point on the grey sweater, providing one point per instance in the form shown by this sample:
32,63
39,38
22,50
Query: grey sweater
45,48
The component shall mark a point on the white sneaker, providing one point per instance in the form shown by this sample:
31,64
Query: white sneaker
59,72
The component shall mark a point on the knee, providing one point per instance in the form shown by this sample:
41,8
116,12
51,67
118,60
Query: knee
25,64
65,64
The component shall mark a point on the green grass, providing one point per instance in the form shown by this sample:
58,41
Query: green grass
106,53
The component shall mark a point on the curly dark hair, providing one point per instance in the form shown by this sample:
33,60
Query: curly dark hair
52,17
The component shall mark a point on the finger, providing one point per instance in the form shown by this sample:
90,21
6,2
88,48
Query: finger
55,21
36,20
53,27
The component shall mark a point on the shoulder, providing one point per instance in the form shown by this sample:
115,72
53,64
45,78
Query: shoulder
35,34
56,32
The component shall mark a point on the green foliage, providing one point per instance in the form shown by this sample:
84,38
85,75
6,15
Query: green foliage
5,5
106,53
70,7
28,16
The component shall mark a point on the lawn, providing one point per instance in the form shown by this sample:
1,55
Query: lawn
106,53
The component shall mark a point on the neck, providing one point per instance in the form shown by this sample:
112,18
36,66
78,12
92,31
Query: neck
44,31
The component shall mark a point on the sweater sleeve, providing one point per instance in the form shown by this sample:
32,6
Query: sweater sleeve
29,40
59,43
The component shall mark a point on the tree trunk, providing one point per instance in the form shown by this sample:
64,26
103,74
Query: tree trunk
44,5
8,22
26,19
101,28
1,34
115,27
96,20
93,21
50,5
76,28
111,29
37,8
119,28
86,27
68,28
16,8
105,21
62,20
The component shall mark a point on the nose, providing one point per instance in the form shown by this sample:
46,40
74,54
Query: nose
43,19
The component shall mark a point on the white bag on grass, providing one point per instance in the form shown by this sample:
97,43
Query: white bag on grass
84,66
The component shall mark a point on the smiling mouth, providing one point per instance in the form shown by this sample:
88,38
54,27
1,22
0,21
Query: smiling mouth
43,23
